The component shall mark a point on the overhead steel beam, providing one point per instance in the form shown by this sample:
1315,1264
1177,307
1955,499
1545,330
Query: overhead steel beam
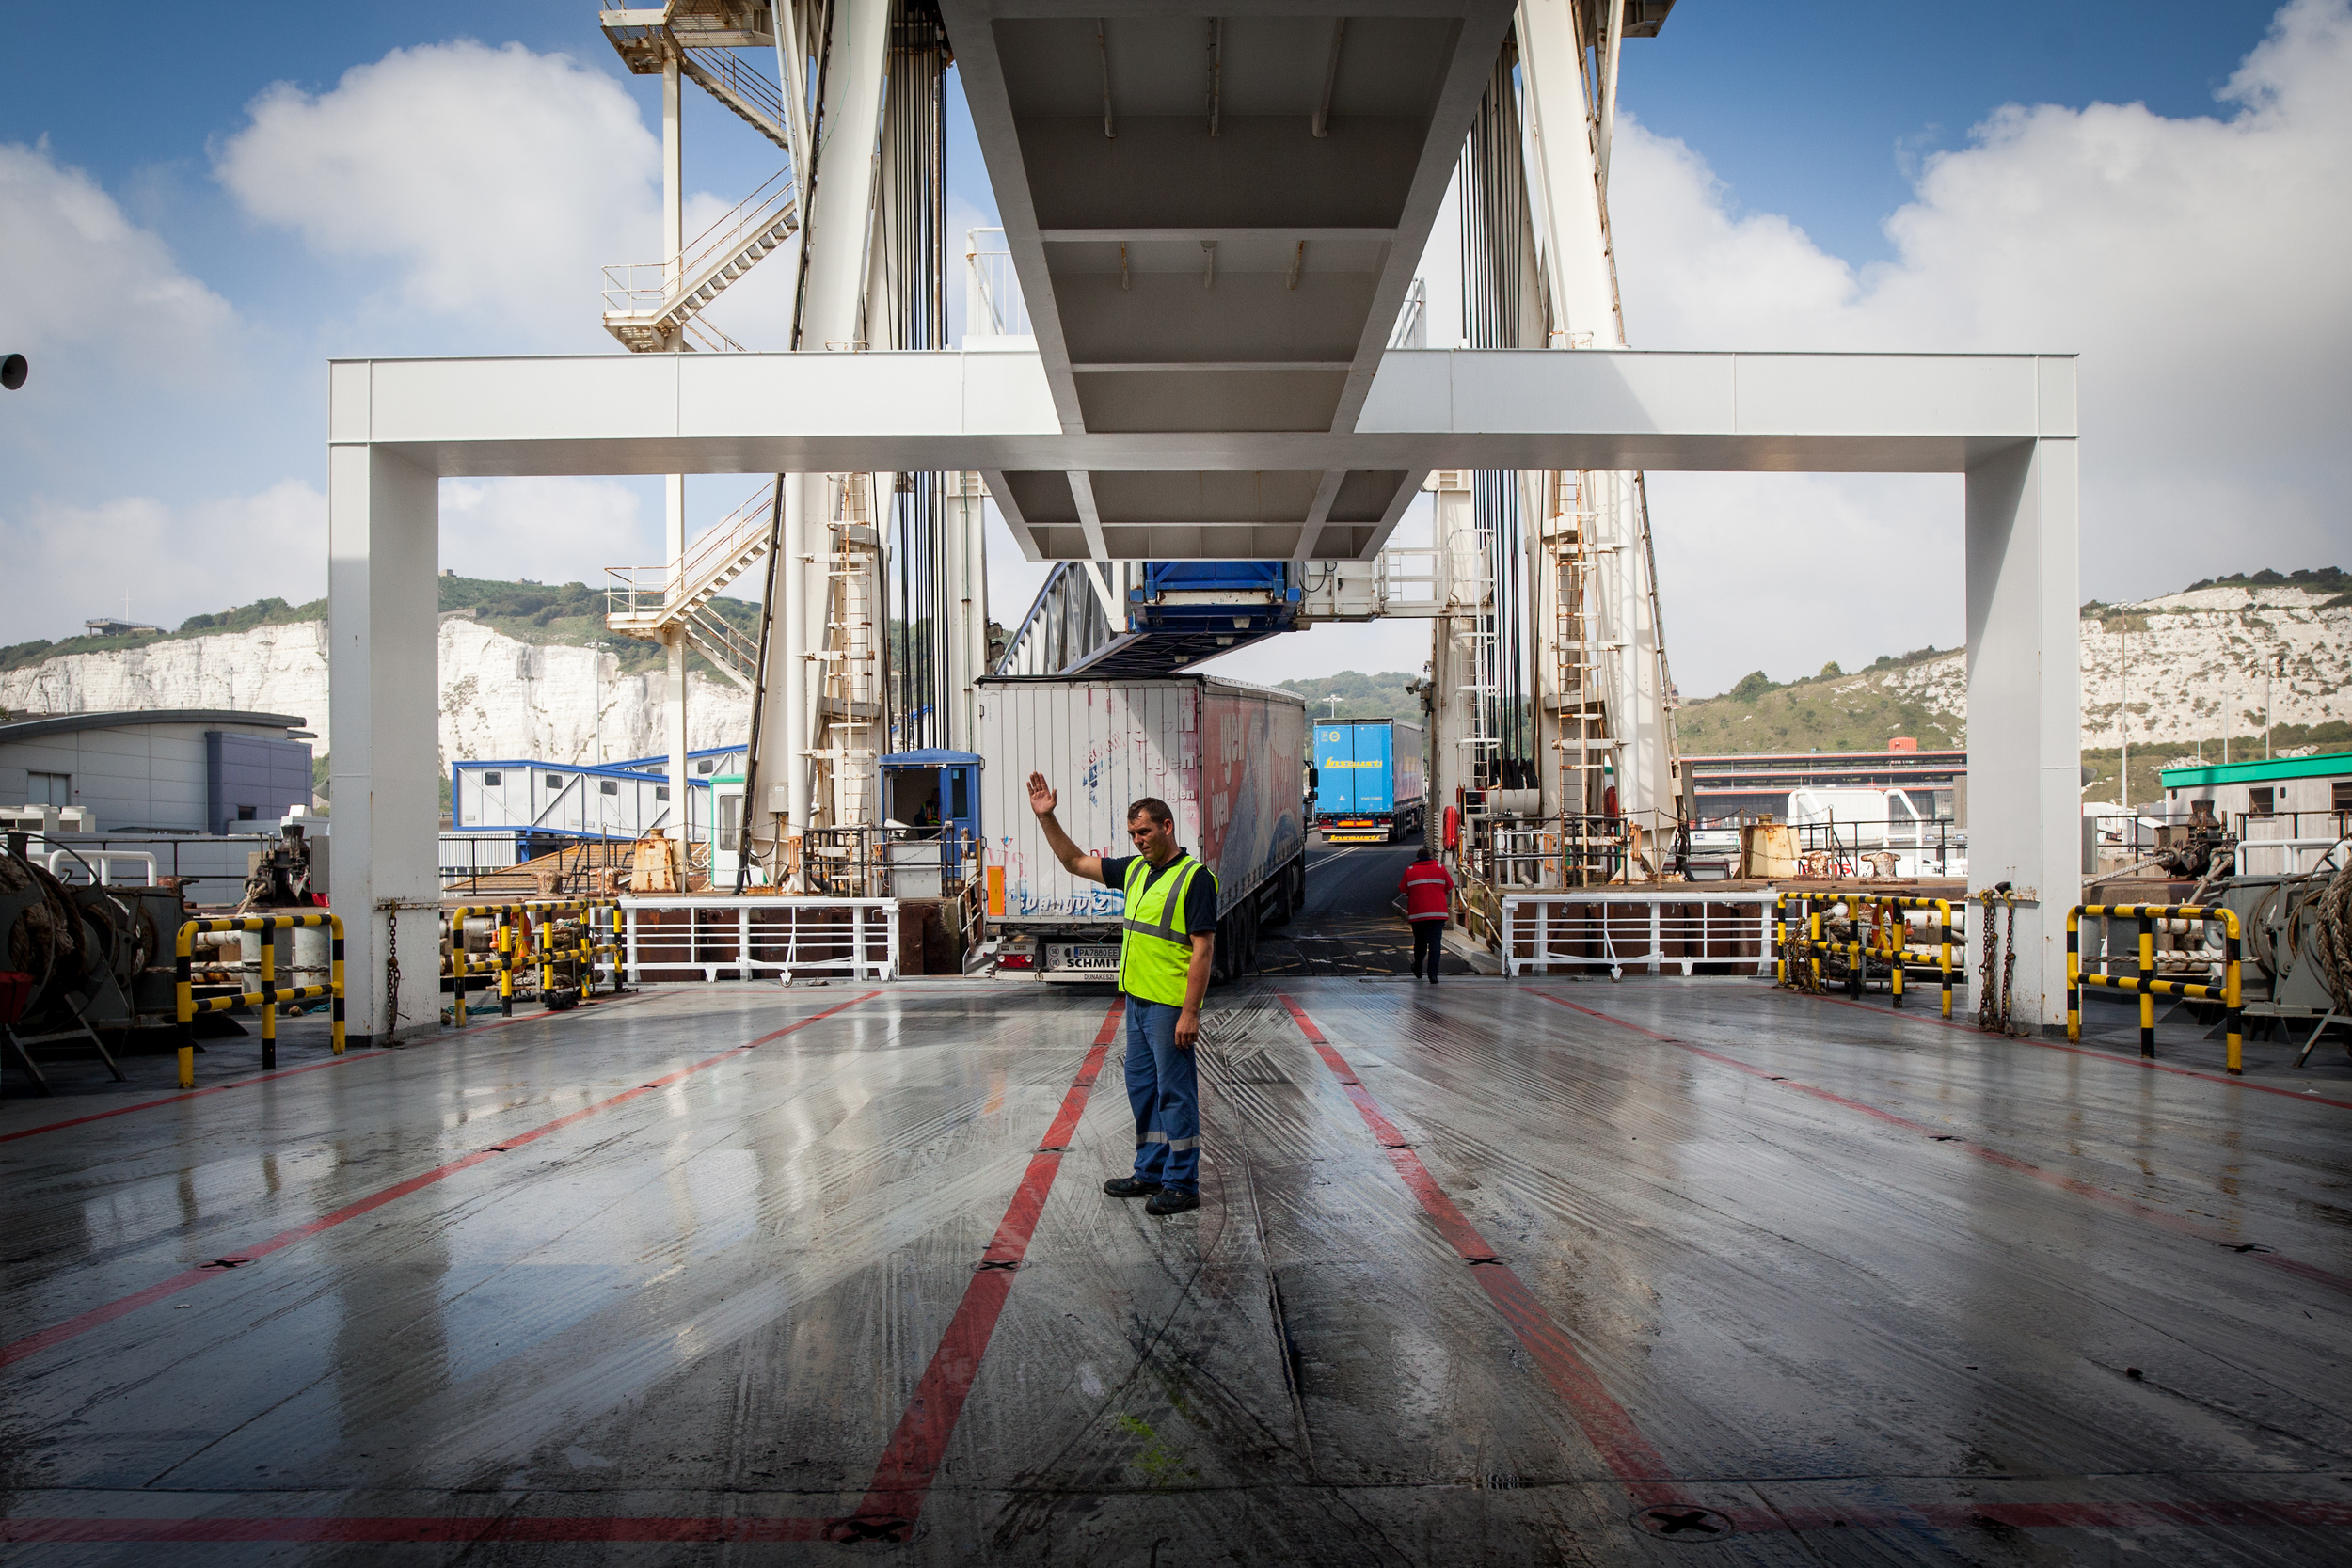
1216,211
1500,408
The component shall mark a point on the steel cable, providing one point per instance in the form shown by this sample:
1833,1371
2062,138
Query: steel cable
2335,909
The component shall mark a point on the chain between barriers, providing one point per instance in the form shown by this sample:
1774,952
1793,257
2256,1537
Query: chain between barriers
525,938
1878,931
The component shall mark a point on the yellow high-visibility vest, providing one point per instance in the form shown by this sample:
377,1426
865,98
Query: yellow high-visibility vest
1155,949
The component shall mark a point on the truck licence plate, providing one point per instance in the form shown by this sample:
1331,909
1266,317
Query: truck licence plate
1073,955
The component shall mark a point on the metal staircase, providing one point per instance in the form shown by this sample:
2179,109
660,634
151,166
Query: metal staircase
647,602
699,34
742,89
651,306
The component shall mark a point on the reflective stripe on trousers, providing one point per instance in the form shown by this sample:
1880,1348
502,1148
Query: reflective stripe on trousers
1163,1090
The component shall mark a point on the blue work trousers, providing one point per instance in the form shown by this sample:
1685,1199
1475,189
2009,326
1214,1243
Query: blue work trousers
1164,1087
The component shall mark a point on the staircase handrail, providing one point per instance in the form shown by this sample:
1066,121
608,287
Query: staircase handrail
675,277
746,82
736,654
646,589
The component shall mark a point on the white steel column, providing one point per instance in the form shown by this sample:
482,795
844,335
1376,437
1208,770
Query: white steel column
383,526
793,674
673,488
673,692
1463,586
838,198
2024,701
1563,166
967,589
1567,165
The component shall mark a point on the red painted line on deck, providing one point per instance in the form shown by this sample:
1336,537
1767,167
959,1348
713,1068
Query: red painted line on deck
903,1477
365,1053
2294,1513
2301,1097
1645,1473
24,1530
1991,1156
2138,1514
58,1332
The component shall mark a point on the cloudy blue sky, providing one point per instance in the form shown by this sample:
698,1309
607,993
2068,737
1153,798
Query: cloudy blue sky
2160,185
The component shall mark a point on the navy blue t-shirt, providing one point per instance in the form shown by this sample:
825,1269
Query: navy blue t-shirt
1199,898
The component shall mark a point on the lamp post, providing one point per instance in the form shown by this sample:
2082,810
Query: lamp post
2270,698
2122,714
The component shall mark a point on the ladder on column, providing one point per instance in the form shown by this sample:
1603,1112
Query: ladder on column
1581,712
850,700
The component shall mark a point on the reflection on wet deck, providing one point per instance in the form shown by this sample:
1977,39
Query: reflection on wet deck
1540,1271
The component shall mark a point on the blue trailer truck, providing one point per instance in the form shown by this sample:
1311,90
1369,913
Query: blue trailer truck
1368,779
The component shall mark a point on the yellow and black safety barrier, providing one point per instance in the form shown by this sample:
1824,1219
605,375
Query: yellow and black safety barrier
510,954
2144,984
1797,955
271,993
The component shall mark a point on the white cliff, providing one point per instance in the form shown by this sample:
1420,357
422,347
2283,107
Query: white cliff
2193,657
499,698
2197,670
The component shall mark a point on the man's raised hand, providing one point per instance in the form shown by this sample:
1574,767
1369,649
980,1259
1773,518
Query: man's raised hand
1042,797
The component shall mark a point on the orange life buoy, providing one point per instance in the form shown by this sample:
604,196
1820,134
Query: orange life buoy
1452,826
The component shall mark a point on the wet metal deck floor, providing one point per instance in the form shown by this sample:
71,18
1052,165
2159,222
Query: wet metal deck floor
1534,1272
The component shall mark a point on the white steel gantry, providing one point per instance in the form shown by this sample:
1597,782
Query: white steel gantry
1214,221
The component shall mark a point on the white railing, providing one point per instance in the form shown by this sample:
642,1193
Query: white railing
732,75
993,302
99,861
1410,581
717,936
1412,319
1405,582
1646,931
639,592
2286,857
639,287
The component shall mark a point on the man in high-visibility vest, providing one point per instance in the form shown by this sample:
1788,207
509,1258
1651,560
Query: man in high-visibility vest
1164,949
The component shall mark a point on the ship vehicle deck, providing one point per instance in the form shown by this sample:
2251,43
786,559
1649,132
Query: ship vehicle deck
1543,1271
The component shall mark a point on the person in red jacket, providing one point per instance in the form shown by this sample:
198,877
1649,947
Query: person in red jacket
1428,890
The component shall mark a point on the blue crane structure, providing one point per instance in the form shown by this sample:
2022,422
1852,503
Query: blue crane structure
1174,613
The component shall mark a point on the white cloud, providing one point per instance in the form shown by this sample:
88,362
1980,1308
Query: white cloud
171,561
549,530
79,280
498,180
1786,572
2195,263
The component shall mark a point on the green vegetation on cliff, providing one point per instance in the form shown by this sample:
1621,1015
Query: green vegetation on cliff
570,613
1832,711
1361,696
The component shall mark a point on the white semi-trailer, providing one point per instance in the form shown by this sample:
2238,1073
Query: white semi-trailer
1225,756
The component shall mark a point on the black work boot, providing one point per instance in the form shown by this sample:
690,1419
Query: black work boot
1130,1186
1169,1201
